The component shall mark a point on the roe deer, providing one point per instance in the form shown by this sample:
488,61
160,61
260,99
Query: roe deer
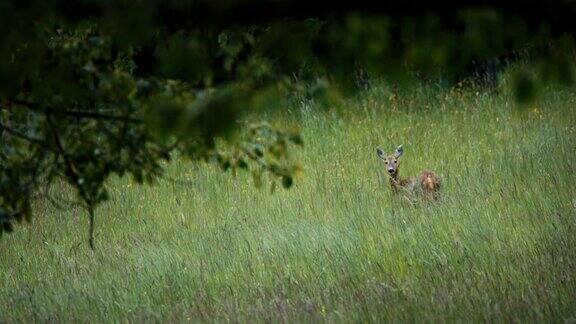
426,185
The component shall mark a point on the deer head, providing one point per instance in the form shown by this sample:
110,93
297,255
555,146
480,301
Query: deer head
391,161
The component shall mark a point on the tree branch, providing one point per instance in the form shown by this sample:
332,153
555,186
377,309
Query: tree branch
93,115
76,113
23,136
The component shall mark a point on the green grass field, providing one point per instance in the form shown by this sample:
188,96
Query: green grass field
500,245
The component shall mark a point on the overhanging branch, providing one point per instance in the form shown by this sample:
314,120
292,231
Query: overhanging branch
23,136
76,113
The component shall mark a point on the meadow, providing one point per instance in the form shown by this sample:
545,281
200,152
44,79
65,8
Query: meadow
203,245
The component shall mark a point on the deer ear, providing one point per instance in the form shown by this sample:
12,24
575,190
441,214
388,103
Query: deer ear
399,151
380,153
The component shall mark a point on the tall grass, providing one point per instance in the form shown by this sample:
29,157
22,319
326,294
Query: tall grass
500,245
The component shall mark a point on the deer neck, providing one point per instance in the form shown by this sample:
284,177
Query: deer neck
396,181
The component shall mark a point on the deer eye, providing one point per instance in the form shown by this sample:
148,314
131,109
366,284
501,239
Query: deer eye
385,162
395,161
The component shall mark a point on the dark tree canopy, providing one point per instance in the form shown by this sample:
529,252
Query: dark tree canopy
94,88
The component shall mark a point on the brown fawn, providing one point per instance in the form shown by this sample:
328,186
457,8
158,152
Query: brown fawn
427,184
